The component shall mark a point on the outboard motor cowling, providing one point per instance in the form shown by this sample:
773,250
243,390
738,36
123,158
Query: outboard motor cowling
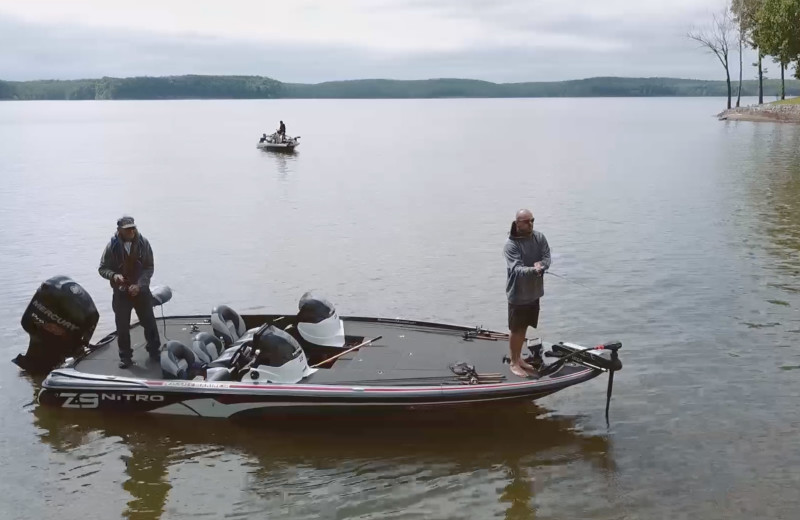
279,358
319,323
60,320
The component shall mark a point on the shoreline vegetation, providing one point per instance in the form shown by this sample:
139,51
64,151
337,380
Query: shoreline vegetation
260,87
772,29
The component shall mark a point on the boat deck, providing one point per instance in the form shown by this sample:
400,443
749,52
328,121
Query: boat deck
404,351
104,360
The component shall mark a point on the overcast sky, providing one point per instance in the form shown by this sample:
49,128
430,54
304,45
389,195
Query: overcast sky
320,40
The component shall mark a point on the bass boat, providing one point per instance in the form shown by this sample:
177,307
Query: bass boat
311,362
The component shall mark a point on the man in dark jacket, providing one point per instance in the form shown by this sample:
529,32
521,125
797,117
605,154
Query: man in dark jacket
127,262
282,131
527,258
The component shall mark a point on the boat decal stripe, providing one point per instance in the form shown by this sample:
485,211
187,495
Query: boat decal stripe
368,389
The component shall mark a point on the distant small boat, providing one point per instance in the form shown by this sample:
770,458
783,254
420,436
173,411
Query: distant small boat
277,143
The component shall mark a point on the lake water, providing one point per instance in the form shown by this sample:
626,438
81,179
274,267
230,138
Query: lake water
679,235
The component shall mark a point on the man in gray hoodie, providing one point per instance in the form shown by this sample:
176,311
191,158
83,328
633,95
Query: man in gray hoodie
527,258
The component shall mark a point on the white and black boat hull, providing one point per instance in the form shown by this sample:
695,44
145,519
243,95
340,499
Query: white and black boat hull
67,388
277,147
396,373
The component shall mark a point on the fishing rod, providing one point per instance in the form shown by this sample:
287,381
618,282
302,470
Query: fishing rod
567,279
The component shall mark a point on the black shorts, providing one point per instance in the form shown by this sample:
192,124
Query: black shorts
520,317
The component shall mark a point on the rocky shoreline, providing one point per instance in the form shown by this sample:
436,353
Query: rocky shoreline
767,112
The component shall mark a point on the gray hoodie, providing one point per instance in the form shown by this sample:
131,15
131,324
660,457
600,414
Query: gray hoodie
524,286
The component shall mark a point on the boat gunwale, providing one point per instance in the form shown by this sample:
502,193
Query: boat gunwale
74,379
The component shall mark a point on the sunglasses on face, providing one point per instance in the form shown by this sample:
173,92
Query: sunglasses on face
529,221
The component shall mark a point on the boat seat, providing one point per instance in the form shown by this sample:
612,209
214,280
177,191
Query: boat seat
219,374
227,324
177,361
206,347
160,294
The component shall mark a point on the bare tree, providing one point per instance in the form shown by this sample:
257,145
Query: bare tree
717,38
745,14
742,36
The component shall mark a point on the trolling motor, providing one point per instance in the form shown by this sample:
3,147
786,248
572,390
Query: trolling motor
60,320
586,357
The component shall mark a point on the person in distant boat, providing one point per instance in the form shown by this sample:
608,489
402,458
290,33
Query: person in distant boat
127,263
263,138
527,258
282,132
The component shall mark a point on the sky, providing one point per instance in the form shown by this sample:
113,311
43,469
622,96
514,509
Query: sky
310,41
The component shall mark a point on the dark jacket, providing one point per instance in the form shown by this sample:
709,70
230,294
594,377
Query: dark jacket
137,267
524,285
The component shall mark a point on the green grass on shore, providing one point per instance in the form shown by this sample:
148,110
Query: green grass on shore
790,101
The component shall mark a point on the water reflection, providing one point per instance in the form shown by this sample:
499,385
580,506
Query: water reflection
784,222
305,467
772,166
766,160
283,160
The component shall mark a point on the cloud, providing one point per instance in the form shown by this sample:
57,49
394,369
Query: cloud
305,41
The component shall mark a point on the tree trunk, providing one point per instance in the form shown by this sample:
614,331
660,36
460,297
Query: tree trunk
760,81
739,92
783,84
728,79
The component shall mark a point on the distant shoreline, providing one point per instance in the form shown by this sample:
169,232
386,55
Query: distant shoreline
261,87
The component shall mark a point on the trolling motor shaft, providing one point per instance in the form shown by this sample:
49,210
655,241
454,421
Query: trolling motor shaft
615,360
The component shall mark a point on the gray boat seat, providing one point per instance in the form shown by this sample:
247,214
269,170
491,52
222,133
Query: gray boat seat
177,360
160,294
227,324
206,347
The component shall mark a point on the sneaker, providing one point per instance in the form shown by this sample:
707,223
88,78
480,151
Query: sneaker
125,363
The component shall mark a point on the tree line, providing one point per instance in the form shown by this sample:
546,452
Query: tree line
167,87
770,27
257,87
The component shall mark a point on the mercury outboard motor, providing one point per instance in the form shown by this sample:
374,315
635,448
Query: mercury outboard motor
279,358
319,323
60,320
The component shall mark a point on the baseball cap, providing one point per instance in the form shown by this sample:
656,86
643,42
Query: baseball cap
126,222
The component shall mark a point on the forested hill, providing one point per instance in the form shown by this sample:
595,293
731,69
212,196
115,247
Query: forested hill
258,87
169,87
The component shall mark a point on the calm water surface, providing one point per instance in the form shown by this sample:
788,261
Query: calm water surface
683,231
